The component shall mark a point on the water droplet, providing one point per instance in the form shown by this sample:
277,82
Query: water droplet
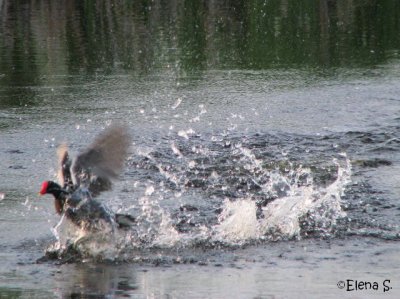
149,191
177,103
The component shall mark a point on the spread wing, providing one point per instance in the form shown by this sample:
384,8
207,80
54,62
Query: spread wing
64,171
102,160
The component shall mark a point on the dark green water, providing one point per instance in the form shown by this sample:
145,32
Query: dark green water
42,39
232,105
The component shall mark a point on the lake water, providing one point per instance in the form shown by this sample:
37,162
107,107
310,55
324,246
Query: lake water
265,146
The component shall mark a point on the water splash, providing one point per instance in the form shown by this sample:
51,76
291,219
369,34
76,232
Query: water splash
284,217
76,243
238,222
198,195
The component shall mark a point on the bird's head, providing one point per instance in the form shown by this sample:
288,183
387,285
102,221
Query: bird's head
49,187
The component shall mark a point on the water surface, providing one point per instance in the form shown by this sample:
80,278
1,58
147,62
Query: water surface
265,145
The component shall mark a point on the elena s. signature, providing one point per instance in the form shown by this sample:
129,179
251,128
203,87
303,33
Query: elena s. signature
363,285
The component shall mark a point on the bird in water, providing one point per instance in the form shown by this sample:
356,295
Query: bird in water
85,177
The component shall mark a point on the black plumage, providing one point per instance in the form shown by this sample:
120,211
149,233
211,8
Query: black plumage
85,177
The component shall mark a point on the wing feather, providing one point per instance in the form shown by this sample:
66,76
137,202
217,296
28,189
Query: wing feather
64,162
103,160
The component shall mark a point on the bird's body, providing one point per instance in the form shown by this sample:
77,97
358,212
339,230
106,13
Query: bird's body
86,177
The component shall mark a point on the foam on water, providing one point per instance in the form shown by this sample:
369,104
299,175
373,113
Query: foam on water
238,222
282,218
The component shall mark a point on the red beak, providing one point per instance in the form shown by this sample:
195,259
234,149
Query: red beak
43,190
